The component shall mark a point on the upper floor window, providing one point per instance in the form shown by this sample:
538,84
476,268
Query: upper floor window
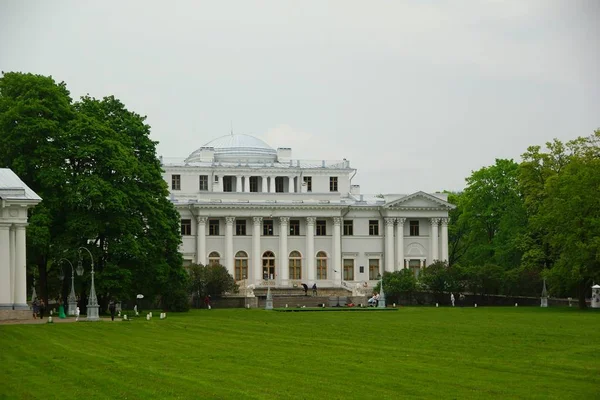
203,182
308,181
228,183
254,184
175,182
321,227
294,227
268,227
373,227
333,184
186,227
240,227
348,227
414,228
279,184
213,227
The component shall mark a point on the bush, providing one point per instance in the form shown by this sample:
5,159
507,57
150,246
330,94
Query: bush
178,301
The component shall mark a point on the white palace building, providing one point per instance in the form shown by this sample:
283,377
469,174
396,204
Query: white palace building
272,219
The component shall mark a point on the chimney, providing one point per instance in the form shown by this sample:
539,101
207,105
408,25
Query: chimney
355,189
284,154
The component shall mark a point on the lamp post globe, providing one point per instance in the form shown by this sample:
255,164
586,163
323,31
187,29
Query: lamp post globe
92,306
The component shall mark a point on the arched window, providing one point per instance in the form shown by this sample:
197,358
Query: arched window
321,265
295,265
214,258
268,260
241,265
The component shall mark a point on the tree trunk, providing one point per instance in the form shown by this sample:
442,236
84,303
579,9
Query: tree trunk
582,287
43,272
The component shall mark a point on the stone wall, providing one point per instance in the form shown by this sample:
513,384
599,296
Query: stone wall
6,315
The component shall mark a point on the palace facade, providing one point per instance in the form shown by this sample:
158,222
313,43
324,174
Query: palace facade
273,219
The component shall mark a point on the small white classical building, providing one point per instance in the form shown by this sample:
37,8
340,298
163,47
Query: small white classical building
270,218
15,199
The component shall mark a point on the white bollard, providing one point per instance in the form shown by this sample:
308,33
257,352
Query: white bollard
50,318
516,304
394,305
148,317
248,306
475,305
286,306
437,304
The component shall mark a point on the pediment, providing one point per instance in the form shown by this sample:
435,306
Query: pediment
420,200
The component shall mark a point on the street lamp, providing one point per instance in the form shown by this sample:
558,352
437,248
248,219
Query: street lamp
92,306
381,302
72,298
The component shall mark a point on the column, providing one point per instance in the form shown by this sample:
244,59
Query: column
445,239
434,240
5,281
12,249
290,184
201,240
247,183
265,188
310,249
400,243
256,253
389,244
229,243
284,272
20,299
337,249
218,186
238,183
272,185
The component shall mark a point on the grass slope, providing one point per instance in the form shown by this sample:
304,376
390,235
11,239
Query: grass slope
255,354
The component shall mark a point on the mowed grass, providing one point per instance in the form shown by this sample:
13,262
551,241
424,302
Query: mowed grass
446,353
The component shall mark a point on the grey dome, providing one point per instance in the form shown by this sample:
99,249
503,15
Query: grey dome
232,148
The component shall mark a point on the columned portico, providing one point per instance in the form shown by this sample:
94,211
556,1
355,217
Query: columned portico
284,271
272,184
434,240
389,244
290,184
256,253
229,221
201,240
6,301
310,248
263,180
20,274
337,249
445,239
400,243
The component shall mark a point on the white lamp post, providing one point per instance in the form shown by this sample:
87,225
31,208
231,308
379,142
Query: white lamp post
381,302
92,306
72,298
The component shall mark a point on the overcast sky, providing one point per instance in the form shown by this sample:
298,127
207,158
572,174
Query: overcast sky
416,94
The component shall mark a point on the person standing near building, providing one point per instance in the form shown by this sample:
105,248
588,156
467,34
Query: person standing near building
36,309
42,308
112,308
314,288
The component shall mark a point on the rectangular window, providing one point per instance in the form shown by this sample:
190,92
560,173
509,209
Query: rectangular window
254,184
203,182
240,227
228,183
373,268
186,227
279,184
348,269
294,227
308,181
348,227
268,227
373,227
213,227
321,227
414,228
175,182
333,184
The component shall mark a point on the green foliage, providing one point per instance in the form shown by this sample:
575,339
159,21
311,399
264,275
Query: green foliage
436,277
213,280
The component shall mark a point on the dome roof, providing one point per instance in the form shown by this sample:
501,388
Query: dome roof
231,148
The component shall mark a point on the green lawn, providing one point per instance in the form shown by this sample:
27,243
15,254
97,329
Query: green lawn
441,353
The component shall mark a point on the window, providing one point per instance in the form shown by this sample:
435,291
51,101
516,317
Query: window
186,227
321,265
204,182
333,184
241,266
414,228
279,184
213,227
254,183
216,178
348,227
268,227
214,258
268,260
415,266
348,269
228,183
373,268
294,227
321,227
240,227
175,182
308,181
373,227
295,264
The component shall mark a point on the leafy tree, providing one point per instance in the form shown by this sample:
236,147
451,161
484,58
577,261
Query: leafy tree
210,280
399,284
